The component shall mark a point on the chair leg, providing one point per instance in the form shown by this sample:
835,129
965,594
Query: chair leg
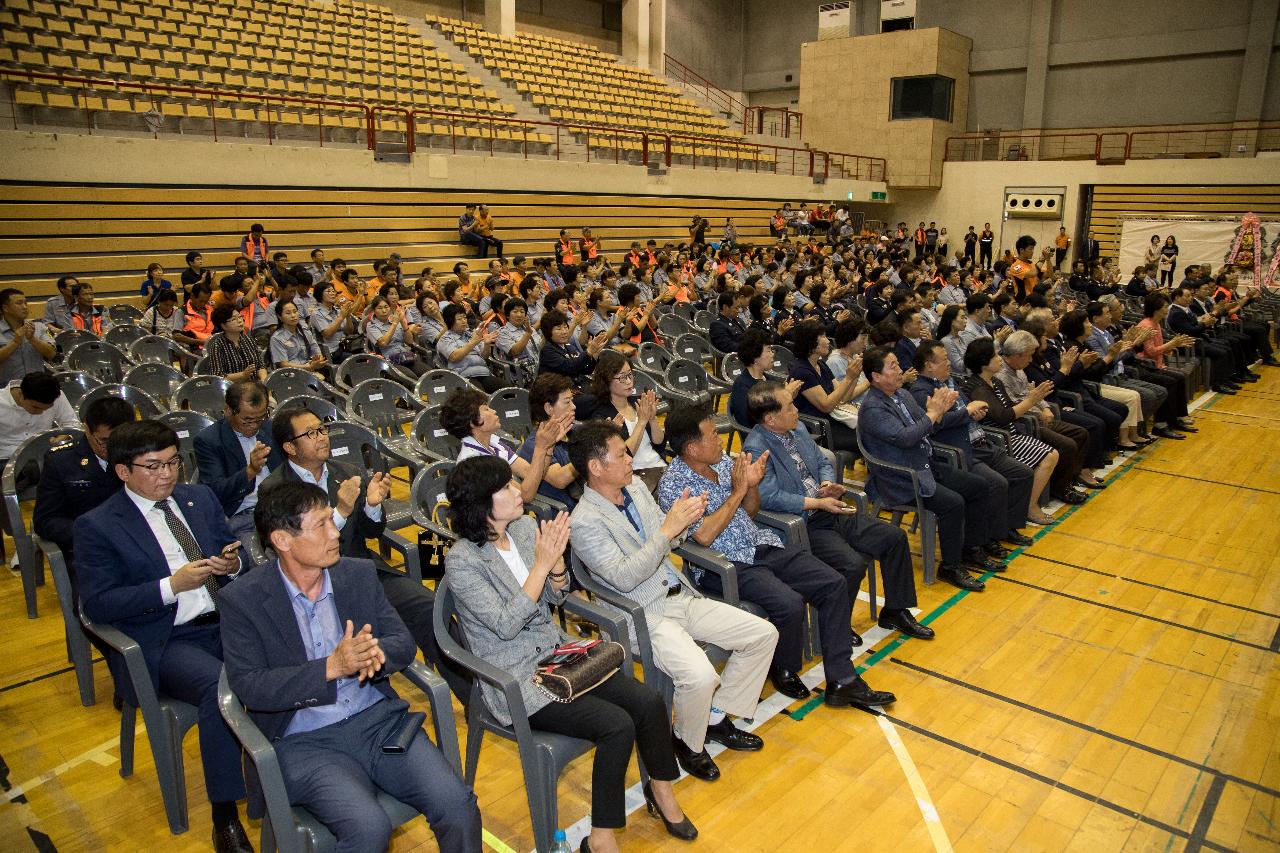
929,546
475,735
32,574
540,779
82,659
166,749
871,590
128,722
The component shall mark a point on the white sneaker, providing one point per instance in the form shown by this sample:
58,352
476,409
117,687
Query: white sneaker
14,567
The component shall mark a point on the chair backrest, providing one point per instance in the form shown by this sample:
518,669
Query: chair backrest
654,357
687,310
34,450
686,376
383,404
187,425
427,494
142,402
67,339
205,394
512,406
361,366
783,358
123,335
286,382
702,320
672,325
435,385
428,432
123,313
356,445
692,346
158,380
730,367
156,349
645,382
75,385
99,358
325,410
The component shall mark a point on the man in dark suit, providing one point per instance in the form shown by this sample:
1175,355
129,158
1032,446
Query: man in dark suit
152,561
236,454
356,499
318,686
893,428
76,478
727,329
1226,373
1090,251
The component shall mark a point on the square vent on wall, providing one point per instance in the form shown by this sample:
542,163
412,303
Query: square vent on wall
1023,205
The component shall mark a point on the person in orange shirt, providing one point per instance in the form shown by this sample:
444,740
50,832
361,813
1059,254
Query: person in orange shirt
588,246
1022,273
1060,245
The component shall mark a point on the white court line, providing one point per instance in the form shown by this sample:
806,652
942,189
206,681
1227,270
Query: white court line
932,821
99,754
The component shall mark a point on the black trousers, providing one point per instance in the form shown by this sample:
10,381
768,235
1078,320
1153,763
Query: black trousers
982,505
1223,366
1072,444
615,715
782,580
1259,337
849,547
949,508
984,255
1175,404
1096,451
414,603
1011,480
1110,412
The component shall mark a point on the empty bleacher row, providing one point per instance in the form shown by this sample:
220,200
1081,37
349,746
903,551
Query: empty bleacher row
108,235
342,53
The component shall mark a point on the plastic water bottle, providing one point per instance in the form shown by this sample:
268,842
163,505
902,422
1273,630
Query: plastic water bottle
560,842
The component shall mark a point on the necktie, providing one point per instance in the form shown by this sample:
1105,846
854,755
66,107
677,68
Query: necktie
190,547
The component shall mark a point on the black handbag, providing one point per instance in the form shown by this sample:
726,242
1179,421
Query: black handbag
576,668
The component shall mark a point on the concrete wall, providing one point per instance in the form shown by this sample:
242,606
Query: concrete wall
707,36
774,33
973,193
580,20
26,156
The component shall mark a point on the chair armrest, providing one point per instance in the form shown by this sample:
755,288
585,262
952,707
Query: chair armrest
407,550
714,562
135,663
644,642
792,527
953,455
261,753
614,625
441,711
1071,398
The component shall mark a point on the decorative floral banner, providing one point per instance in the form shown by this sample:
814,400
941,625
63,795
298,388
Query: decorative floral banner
1246,249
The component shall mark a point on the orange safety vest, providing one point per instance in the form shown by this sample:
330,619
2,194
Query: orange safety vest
256,248
566,252
199,323
95,322
778,222
638,337
634,258
590,247
247,312
1024,277
920,238
1225,293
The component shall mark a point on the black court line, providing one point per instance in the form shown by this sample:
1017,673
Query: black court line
1241,414
1205,818
1053,783
1211,482
1137,613
1160,753
1151,585
33,680
1275,641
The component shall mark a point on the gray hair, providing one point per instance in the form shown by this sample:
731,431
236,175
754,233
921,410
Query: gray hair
1108,299
1019,343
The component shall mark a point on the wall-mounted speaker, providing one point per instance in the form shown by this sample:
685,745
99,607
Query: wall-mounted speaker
1032,205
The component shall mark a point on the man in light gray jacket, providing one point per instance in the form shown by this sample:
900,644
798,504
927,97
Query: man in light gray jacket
625,541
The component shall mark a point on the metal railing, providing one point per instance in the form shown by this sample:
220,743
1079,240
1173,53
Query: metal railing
772,121
1118,144
722,100
387,125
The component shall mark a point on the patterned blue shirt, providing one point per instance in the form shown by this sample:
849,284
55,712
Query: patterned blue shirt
321,631
739,540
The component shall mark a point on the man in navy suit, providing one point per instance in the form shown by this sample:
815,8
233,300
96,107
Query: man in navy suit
152,561
76,477
893,428
317,685
237,453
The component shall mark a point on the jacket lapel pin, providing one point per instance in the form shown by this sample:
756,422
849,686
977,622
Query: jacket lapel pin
84,462
191,503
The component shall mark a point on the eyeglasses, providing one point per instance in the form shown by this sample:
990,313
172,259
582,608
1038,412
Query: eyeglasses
629,376
312,434
156,467
255,421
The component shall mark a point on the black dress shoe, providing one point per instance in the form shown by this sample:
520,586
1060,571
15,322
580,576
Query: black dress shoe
1270,362
683,829
697,764
788,684
959,576
855,639
1019,539
1085,484
996,550
1070,497
1250,376
231,839
904,623
1223,389
1184,425
730,736
976,558
857,693
1164,432
585,846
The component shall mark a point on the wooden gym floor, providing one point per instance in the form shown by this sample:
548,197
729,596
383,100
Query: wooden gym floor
1116,689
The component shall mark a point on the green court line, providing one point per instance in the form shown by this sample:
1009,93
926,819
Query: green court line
808,707
495,842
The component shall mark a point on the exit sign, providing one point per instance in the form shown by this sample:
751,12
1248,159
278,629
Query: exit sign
879,196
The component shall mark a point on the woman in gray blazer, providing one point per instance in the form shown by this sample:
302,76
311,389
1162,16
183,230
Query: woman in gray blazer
506,573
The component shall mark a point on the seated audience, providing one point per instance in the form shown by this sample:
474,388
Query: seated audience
1163,395
25,346
232,353
163,318
848,342
388,334
324,696
57,309
507,571
331,320
29,406
152,561
292,343
779,578
727,329
559,355
551,398
468,417
612,396
800,479
820,394
621,552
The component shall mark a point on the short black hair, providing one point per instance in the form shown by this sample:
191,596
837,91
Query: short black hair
751,345
191,256
8,293
1071,325
549,321
282,424
108,412
470,489
726,300
546,390
40,386
138,438
166,296
762,400
461,411
1095,309
684,425
848,330
924,352
873,360
245,392
450,315
222,313
281,506
805,338
1025,241
627,294
979,354
591,441
976,303
1152,304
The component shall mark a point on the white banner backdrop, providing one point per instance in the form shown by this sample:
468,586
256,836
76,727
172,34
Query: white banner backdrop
1200,241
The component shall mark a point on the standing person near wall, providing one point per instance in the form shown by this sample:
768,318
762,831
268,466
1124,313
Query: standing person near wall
1060,245
986,240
